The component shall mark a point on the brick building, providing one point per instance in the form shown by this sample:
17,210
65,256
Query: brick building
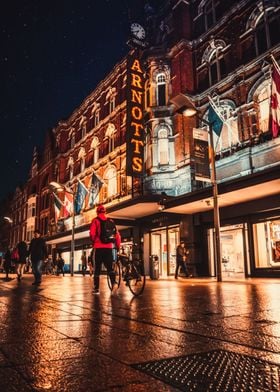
204,51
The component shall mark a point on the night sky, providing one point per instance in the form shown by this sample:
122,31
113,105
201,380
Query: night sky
53,54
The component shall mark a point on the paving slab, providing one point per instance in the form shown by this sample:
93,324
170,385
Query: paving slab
62,337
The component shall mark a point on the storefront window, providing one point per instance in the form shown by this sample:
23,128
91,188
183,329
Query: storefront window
267,244
163,245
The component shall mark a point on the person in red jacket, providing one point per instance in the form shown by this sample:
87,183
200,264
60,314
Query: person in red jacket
103,247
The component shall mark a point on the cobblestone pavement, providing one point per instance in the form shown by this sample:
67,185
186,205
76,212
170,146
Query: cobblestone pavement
190,335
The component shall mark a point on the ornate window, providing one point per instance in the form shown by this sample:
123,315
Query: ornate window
81,156
213,59
110,178
72,139
211,13
83,126
96,117
111,99
95,148
70,167
163,147
110,134
161,89
265,22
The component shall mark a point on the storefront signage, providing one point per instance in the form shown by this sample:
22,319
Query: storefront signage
201,155
135,107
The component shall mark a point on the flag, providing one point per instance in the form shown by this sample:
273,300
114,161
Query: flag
215,119
68,204
80,197
275,101
58,207
96,184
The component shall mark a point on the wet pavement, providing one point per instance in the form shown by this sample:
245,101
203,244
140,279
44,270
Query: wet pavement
190,335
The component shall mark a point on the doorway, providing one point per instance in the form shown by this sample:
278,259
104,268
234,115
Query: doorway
232,251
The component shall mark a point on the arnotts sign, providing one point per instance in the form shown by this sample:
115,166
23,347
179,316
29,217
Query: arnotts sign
135,129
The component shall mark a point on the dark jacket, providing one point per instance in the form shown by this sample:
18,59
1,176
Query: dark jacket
22,251
37,249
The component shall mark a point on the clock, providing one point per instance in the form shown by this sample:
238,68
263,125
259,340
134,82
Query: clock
138,31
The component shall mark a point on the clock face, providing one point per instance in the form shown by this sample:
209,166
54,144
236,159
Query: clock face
138,31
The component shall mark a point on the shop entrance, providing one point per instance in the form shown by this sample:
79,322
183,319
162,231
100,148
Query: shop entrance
163,244
232,251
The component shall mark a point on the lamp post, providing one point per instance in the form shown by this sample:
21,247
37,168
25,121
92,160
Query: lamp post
60,188
184,106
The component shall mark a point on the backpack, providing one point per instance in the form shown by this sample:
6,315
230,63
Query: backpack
107,230
15,254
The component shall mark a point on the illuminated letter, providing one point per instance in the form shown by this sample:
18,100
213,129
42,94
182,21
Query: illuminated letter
137,164
137,144
136,66
136,96
136,81
136,113
137,127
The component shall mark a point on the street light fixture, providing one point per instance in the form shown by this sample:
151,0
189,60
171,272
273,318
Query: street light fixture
60,188
8,219
185,106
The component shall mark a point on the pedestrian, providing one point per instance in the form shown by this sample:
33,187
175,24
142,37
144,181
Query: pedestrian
90,262
7,263
105,238
60,265
21,261
38,253
84,263
181,258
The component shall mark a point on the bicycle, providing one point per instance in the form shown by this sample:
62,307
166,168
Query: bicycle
132,272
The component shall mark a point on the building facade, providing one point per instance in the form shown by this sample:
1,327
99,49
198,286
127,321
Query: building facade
130,137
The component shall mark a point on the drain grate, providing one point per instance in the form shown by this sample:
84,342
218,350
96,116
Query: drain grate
216,371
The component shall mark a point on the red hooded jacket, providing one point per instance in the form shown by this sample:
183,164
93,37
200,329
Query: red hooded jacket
94,233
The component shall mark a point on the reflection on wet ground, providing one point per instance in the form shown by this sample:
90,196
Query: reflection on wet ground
60,337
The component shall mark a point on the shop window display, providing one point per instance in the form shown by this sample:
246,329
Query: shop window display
267,244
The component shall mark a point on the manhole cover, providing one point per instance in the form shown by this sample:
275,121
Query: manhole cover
216,371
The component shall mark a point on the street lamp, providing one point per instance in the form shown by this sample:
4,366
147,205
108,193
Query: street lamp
60,188
185,106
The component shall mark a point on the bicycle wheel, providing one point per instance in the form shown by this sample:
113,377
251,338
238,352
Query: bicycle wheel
136,278
117,270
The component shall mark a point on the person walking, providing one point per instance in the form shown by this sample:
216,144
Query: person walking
7,263
90,262
105,238
181,258
38,253
60,265
21,261
84,263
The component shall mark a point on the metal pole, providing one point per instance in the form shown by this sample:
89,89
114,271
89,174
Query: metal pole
216,208
72,241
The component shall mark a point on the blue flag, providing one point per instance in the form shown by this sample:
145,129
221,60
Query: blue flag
96,184
80,197
215,120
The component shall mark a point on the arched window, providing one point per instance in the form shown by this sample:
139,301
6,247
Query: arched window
213,58
72,141
95,148
111,181
267,29
161,89
126,181
111,99
263,101
163,151
110,134
96,117
211,11
83,126
81,156
70,167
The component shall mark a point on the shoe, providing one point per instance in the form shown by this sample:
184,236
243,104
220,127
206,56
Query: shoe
18,278
36,283
176,277
95,291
